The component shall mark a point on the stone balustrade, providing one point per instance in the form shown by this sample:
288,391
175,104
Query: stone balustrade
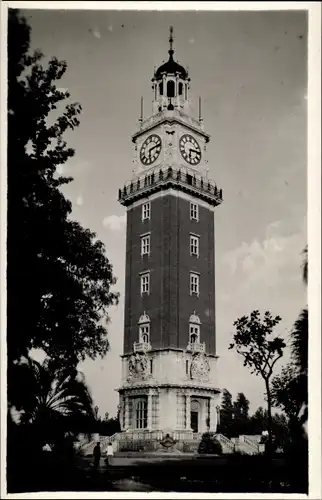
146,184
141,346
196,347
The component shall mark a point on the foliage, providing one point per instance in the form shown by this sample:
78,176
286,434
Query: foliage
59,278
289,391
299,343
234,419
106,426
209,444
225,421
52,402
252,339
241,405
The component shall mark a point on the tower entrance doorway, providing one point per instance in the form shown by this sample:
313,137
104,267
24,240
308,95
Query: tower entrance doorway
194,416
194,420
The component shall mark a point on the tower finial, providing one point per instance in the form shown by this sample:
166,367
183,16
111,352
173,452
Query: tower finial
171,41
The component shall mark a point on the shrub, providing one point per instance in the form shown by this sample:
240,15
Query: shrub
209,444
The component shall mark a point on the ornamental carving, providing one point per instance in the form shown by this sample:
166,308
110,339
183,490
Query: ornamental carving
138,367
200,368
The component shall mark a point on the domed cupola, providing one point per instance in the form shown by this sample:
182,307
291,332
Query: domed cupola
170,83
171,67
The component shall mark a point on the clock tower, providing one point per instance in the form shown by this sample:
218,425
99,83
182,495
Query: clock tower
169,378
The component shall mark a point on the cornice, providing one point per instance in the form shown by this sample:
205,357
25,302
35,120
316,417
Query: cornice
192,388
170,121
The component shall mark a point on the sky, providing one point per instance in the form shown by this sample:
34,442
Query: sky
250,69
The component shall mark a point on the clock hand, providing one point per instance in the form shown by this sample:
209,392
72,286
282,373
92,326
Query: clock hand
150,150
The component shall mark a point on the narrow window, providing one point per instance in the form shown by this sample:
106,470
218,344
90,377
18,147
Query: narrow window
151,366
146,211
186,91
194,245
145,283
170,88
144,333
141,413
187,367
145,245
194,284
194,333
194,211
161,88
180,88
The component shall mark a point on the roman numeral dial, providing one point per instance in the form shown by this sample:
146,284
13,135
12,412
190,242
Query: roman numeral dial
151,149
190,149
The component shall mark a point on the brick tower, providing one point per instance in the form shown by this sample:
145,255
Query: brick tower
169,380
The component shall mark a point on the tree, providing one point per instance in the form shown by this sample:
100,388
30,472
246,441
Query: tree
287,392
58,277
51,400
240,415
252,340
242,405
225,420
290,387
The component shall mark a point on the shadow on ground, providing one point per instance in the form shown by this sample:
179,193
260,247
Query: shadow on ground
192,474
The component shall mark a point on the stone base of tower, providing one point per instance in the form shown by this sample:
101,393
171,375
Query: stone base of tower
166,418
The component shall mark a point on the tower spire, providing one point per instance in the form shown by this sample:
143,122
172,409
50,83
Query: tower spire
171,51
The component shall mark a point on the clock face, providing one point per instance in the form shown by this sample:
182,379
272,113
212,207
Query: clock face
190,149
150,150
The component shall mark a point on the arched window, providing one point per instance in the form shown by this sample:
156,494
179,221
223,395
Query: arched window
161,88
195,405
144,328
194,333
170,88
180,88
194,328
141,413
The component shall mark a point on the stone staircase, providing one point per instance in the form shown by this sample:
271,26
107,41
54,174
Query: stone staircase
228,446
248,445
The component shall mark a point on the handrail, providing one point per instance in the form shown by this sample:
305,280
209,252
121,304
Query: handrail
145,182
251,443
225,440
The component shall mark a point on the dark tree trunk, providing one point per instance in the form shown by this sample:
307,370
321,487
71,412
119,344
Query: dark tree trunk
269,417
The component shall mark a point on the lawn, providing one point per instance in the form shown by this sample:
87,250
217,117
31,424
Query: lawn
177,474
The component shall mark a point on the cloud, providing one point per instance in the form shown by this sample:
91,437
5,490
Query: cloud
114,222
277,256
79,200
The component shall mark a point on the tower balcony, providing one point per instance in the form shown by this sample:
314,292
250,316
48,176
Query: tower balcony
141,346
147,184
196,347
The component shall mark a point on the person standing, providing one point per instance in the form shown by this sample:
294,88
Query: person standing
109,453
97,454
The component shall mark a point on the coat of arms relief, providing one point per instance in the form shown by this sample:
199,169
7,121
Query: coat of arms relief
138,367
200,368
